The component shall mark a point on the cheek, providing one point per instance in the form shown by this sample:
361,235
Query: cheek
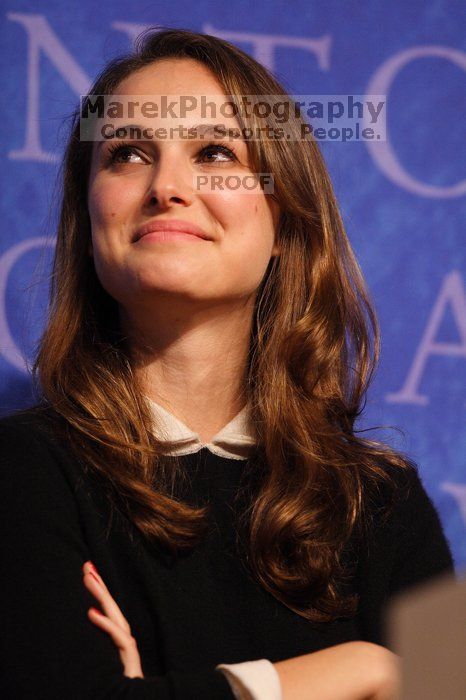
110,204
239,213
248,237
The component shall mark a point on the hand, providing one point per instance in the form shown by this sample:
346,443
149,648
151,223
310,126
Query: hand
113,621
349,671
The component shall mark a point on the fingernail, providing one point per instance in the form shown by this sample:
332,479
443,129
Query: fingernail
91,573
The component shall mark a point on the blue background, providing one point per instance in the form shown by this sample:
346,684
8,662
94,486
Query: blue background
410,244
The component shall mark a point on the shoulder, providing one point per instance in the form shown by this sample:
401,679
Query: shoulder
400,509
398,487
41,500
30,430
33,450
26,422
404,500
416,533
410,495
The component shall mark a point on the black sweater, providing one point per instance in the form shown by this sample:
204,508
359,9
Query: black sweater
187,614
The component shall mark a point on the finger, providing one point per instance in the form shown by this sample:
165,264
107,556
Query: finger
126,644
108,604
106,601
89,568
119,636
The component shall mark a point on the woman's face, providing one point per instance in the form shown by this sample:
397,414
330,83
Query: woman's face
154,180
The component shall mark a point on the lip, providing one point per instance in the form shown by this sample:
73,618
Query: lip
170,226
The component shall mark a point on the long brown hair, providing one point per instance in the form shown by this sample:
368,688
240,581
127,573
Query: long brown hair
313,349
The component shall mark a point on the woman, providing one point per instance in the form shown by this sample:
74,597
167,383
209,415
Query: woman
252,553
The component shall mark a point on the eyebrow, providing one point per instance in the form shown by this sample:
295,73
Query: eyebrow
202,128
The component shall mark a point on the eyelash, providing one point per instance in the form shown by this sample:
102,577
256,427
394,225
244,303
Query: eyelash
116,148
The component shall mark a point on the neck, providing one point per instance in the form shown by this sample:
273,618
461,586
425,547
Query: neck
193,368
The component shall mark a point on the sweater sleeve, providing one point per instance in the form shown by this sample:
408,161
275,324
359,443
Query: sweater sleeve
422,549
49,649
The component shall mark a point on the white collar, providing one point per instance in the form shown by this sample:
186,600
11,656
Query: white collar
234,441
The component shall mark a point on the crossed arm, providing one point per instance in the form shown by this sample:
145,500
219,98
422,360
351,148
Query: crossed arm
350,671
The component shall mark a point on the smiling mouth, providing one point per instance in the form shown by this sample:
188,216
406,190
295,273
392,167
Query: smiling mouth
168,236
170,228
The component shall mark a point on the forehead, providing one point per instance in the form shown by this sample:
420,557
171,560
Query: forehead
170,77
186,84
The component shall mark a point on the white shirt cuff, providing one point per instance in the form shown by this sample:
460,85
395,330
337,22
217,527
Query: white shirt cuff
253,680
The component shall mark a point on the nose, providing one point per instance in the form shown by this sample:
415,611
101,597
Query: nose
170,181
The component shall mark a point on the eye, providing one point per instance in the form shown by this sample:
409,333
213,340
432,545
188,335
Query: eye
120,153
215,149
116,152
